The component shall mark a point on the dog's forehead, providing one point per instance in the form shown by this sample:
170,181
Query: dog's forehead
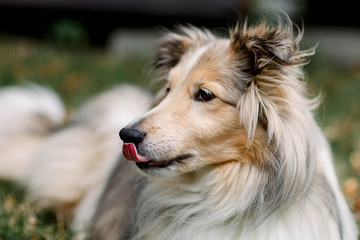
212,62
187,64
205,58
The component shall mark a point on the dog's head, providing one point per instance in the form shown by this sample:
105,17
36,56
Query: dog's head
221,100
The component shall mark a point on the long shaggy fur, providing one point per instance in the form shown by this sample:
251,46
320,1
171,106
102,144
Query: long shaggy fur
230,150
287,188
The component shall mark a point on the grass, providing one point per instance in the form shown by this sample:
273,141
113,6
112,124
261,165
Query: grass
20,219
77,73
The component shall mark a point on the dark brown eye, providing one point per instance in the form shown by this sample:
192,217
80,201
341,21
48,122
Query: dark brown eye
168,89
204,95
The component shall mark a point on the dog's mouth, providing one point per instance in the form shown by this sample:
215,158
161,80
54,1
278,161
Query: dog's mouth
153,164
161,164
130,153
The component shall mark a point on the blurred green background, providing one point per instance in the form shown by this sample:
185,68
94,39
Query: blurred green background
80,51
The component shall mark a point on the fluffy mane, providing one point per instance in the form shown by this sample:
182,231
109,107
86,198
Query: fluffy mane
283,170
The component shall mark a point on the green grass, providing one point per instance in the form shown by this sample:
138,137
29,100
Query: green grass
20,219
77,73
74,73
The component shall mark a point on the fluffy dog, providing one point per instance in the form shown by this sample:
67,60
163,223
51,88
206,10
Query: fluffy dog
64,166
231,150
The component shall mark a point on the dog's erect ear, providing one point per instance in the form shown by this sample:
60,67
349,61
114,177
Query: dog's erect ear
266,46
174,45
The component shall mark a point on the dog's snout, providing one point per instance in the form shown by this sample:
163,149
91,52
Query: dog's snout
131,135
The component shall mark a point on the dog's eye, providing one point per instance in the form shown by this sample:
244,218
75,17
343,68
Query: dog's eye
204,95
168,88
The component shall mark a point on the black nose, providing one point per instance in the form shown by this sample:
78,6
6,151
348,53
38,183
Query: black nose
131,135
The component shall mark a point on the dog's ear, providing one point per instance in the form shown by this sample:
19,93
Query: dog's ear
265,46
275,100
272,58
171,49
174,45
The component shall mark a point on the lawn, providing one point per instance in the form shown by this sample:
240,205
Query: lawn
76,73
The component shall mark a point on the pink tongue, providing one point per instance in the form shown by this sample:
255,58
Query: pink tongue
130,153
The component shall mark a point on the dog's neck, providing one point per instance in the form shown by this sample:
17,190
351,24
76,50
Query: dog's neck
226,199
205,196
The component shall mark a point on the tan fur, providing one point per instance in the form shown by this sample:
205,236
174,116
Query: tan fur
212,128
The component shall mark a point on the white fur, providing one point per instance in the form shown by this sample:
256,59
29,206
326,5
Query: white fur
71,165
17,104
192,59
27,114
